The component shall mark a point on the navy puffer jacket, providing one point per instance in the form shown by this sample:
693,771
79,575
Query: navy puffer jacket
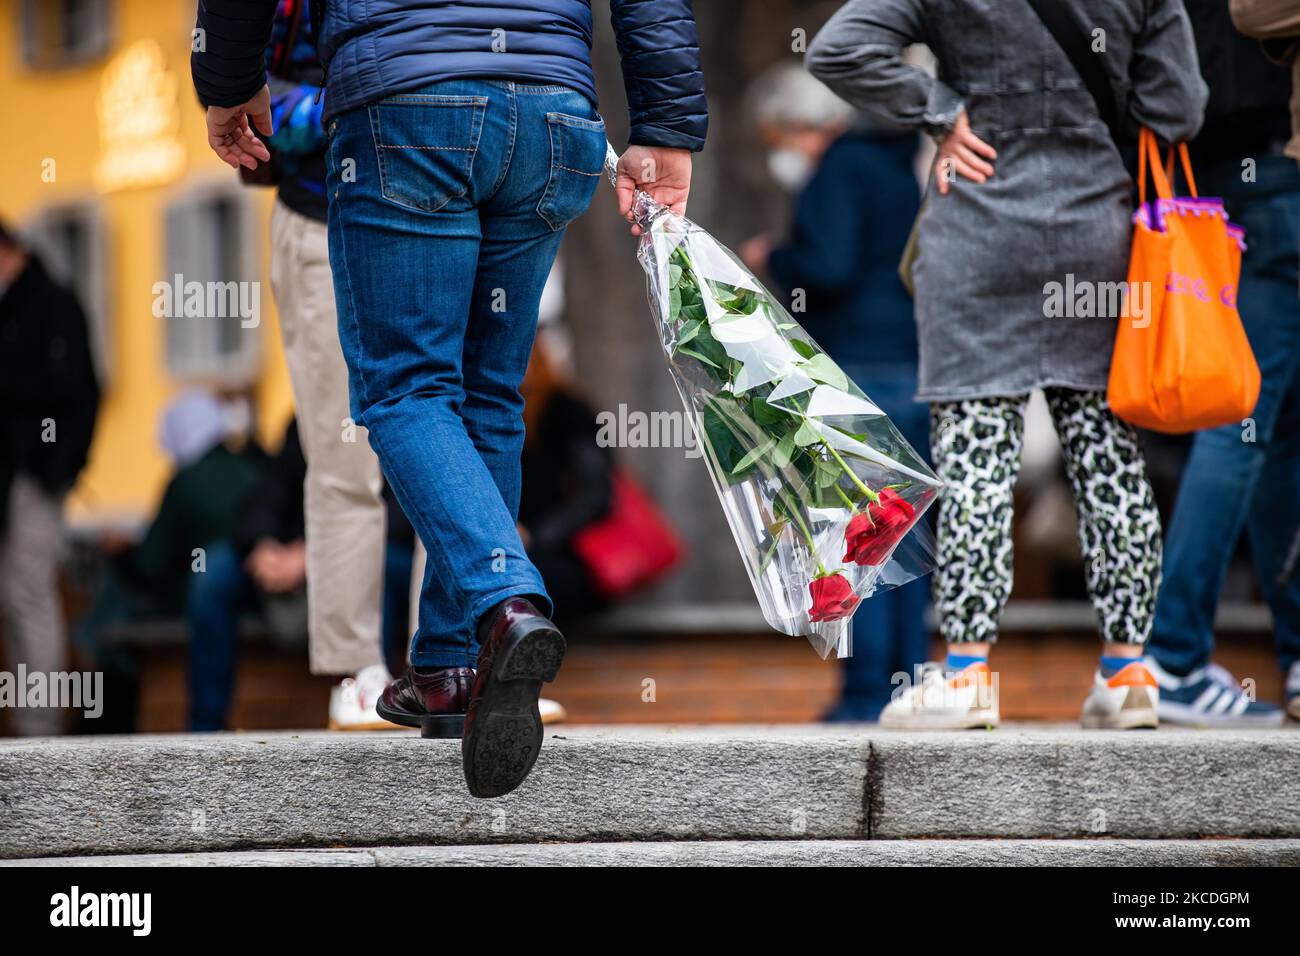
375,48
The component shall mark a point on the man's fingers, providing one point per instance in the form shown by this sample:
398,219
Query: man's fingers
234,142
262,121
238,150
624,190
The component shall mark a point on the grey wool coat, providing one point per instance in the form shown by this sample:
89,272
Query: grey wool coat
1058,207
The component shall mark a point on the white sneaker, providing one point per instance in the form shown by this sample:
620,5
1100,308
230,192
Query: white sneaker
552,711
352,701
966,700
1125,701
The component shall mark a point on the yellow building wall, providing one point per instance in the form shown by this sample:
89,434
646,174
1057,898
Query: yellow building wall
54,115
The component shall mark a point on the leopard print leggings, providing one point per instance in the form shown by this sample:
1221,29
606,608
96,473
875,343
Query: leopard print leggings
976,445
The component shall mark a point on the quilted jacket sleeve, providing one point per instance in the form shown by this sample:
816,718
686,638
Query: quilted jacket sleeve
231,37
660,48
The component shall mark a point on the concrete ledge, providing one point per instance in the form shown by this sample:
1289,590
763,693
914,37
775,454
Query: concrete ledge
185,792
164,794
1041,783
747,853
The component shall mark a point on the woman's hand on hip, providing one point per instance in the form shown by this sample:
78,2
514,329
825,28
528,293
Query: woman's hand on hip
961,151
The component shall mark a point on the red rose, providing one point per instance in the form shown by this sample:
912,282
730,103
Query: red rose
872,535
832,598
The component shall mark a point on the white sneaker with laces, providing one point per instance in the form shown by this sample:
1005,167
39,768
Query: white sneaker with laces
965,700
1126,700
352,701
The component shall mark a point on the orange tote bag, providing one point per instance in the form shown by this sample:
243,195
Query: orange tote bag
1182,361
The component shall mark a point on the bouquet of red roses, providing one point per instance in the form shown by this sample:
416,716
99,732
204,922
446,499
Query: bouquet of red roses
822,493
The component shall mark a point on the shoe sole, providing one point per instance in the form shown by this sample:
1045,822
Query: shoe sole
436,726
971,720
506,733
366,725
1124,720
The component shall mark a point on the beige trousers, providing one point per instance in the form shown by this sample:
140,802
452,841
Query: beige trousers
345,516
30,550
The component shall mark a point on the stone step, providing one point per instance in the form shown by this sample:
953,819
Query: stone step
163,794
1105,852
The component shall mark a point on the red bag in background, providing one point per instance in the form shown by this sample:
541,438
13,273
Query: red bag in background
631,546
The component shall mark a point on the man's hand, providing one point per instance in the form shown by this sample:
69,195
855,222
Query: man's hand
960,152
278,567
663,173
231,136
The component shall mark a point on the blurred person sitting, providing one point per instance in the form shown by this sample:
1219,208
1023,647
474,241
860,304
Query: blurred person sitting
259,568
856,196
49,397
150,579
1247,475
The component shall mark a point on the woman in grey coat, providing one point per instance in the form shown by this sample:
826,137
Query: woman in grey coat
1028,219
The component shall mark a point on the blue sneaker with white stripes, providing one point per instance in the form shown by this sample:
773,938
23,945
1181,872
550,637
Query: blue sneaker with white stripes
1210,697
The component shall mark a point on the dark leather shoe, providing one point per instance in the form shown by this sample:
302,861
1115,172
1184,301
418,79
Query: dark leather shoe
519,650
434,700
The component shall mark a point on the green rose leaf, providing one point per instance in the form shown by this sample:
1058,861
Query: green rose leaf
783,452
754,456
698,356
806,435
803,348
821,368
689,331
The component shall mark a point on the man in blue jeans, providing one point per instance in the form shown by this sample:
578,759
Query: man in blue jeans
463,139
1241,475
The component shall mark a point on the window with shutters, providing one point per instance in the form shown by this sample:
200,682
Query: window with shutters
209,298
64,33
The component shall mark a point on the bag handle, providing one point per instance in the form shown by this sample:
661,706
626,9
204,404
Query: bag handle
1187,167
1149,151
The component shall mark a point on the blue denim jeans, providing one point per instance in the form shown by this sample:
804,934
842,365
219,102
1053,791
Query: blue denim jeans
446,208
212,608
1231,481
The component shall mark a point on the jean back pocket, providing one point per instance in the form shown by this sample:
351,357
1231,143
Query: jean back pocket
577,163
425,147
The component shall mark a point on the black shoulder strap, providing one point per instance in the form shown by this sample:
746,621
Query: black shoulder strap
1073,41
